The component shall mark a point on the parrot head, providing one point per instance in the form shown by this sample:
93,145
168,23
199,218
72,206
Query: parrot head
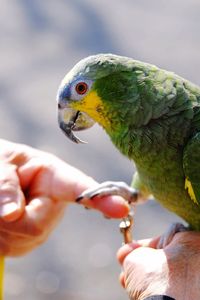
95,90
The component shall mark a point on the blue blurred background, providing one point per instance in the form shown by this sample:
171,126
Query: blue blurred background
40,42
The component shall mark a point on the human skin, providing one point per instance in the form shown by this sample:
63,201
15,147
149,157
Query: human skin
35,188
173,270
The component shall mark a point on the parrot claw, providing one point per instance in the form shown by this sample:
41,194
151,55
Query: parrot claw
109,188
167,237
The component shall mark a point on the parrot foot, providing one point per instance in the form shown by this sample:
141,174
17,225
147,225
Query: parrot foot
167,237
109,188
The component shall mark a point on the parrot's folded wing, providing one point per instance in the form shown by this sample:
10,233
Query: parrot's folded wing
191,163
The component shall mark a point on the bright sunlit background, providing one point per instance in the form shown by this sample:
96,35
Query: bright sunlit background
40,41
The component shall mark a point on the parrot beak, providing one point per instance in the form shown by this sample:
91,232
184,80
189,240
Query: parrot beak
71,120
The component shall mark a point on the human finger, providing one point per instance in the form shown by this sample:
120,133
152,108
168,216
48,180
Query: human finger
110,206
12,199
122,279
40,217
150,242
56,179
125,250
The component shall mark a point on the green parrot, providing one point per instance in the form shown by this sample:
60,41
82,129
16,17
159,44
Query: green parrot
151,115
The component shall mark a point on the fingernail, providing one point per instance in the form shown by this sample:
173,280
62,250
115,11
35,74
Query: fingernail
7,211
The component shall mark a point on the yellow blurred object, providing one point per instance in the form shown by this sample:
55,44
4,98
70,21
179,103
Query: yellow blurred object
1,276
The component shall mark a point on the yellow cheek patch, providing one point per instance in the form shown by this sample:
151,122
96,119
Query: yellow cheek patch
94,107
188,187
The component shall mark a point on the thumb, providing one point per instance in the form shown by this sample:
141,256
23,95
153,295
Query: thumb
126,250
12,199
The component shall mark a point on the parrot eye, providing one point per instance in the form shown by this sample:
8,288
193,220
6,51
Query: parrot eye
81,88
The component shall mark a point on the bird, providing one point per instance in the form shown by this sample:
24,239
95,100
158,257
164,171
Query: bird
152,116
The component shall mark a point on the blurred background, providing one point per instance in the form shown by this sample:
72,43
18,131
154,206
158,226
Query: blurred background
40,41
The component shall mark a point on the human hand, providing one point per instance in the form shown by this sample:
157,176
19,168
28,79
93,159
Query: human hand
34,189
173,271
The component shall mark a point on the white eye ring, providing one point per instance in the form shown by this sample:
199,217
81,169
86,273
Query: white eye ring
80,88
